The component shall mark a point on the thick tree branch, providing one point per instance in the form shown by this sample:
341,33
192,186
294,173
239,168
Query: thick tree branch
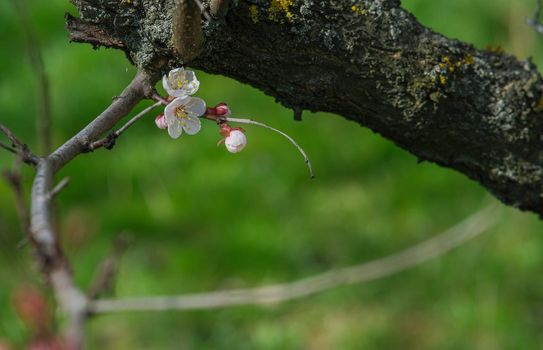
475,111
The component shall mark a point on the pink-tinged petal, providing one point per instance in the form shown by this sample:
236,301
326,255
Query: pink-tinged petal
192,125
160,121
195,106
175,130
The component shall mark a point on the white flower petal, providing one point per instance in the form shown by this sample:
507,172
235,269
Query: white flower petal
180,82
195,106
192,125
175,130
168,80
171,108
192,84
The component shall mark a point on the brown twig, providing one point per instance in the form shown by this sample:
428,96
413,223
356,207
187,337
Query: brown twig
53,262
19,147
107,272
59,187
455,236
14,179
109,141
36,59
8,148
535,21
222,119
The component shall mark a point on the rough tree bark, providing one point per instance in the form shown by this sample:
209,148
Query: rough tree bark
475,111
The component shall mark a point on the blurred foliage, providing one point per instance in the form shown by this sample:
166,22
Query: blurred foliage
203,219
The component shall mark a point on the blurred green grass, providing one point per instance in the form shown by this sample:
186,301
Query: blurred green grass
203,219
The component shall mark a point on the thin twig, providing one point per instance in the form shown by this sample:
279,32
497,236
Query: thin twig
109,141
14,179
44,237
20,148
455,236
59,187
11,136
36,59
253,122
535,22
203,10
8,148
107,272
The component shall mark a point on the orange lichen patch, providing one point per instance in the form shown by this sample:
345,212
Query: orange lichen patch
279,9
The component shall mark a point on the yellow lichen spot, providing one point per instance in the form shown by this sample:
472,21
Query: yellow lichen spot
358,10
278,7
468,59
434,96
496,49
539,105
126,1
254,13
442,79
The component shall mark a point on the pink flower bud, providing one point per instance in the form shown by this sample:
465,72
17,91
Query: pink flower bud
220,110
160,121
236,141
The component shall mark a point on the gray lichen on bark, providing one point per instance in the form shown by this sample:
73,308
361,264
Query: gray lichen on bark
475,111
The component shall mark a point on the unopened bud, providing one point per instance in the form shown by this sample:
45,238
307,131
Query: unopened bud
220,110
236,141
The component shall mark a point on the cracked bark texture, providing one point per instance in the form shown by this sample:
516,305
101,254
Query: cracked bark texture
478,112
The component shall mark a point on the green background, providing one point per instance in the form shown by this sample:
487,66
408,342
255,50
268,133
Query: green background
203,219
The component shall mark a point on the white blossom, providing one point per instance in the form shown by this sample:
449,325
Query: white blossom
182,114
180,82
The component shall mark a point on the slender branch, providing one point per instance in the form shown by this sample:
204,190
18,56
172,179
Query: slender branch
14,179
455,236
8,148
36,59
20,148
44,238
109,141
107,272
59,187
203,10
140,87
535,22
253,122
